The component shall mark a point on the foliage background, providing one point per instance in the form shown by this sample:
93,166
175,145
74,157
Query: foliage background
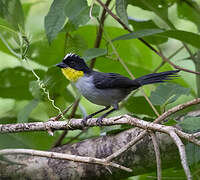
54,29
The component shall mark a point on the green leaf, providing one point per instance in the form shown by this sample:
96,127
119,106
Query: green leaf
12,12
53,77
193,153
94,53
139,34
14,83
27,140
55,19
35,90
95,10
74,8
190,124
189,11
167,93
147,24
138,105
7,105
170,122
121,6
27,7
184,36
56,83
45,54
77,11
76,44
26,111
12,141
159,7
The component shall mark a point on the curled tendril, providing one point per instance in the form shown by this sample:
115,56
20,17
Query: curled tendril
26,43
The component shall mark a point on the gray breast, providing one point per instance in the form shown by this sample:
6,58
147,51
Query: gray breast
104,97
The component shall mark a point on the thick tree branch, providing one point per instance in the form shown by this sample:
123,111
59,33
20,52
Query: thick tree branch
125,119
63,156
77,124
140,158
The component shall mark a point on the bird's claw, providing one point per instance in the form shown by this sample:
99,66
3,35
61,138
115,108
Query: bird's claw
84,121
99,121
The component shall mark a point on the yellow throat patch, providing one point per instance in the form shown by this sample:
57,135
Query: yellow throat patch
72,74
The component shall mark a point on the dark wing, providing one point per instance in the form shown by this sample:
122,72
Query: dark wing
112,81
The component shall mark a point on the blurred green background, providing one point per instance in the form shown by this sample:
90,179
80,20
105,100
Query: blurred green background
37,34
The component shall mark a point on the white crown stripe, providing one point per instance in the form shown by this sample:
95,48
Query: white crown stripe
70,55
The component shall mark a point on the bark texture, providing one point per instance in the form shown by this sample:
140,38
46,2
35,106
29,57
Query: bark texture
140,158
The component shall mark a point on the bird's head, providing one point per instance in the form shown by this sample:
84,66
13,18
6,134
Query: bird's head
73,67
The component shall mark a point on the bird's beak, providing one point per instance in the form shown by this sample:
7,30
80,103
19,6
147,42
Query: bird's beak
61,65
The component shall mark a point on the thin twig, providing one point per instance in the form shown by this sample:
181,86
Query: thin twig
63,156
176,66
64,133
182,153
171,56
127,146
77,124
63,113
158,157
176,109
100,32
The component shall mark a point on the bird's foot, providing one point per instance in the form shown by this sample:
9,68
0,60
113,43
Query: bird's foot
84,121
99,121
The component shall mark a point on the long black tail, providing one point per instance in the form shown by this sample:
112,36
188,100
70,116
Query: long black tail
157,77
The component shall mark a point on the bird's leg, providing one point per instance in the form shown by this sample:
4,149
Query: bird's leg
99,120
93,114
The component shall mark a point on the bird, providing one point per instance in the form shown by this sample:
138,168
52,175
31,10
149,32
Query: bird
105,89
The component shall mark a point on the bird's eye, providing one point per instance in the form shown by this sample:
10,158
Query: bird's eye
72,63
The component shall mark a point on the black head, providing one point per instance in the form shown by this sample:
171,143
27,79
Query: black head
75,62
